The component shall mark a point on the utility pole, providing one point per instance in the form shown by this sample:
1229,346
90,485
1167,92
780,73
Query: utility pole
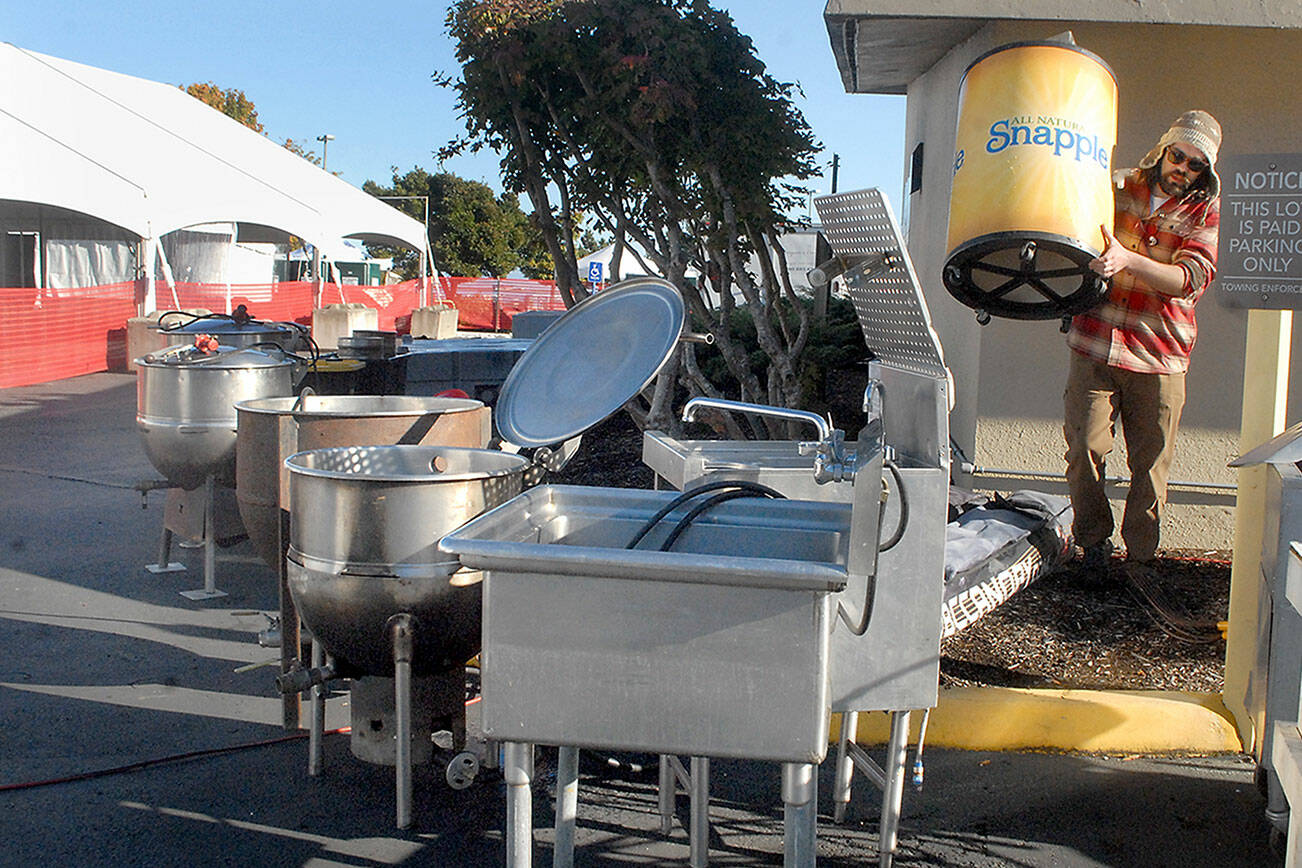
836,164
325,139
426,255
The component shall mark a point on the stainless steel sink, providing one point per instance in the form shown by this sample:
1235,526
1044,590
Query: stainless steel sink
716,648
775,463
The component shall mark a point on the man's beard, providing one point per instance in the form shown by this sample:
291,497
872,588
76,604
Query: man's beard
1173,186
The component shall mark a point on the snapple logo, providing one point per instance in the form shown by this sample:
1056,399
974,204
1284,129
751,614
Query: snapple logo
1062,135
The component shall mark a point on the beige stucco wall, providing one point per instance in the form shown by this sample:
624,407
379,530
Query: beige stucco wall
1009,375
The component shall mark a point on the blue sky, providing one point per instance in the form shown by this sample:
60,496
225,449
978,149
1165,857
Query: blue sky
361,72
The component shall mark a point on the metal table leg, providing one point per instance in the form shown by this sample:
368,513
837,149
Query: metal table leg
290,635
209,590
844,765
316,716
672,774
799,815
893,793
697,784
699,833
567,805
667,792
402,631
165,563
889,779
517,770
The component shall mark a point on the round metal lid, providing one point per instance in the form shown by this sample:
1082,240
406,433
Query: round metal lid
356,406
185,355
589,362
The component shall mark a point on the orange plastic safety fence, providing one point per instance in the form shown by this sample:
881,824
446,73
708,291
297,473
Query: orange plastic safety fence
286,301
482,303
50,334
488,303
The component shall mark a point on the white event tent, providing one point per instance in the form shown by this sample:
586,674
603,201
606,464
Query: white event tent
151,159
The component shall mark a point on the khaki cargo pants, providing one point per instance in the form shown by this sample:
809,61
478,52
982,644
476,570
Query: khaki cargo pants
1148,406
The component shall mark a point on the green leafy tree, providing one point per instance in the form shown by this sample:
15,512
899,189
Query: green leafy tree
413,184
538,262
655,118
473,231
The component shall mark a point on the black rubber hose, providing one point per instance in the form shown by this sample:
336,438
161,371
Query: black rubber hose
314,355
312,345
272,345
310,359
859,627
193,317
904,509
709,503
313,364
694,492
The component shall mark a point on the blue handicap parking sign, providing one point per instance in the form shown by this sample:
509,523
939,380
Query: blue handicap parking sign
594,272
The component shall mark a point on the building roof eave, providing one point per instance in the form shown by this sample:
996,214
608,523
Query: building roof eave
881,46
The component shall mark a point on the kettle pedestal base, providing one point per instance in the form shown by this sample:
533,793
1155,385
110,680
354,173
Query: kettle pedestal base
194,515
203,594
394,721
437,705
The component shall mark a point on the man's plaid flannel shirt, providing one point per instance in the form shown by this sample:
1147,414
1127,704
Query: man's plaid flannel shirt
1137,328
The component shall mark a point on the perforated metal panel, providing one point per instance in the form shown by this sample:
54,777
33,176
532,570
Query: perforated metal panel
892,313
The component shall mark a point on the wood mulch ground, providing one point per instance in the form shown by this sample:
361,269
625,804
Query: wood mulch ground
1064,631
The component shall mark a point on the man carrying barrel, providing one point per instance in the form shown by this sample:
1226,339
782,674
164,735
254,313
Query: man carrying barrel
1129,354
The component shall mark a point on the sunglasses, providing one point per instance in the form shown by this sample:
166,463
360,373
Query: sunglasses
1177,156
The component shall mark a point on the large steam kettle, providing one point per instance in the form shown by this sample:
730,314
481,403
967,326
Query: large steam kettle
185,406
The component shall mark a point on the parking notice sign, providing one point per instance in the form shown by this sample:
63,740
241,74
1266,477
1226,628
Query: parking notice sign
1261,231
594,272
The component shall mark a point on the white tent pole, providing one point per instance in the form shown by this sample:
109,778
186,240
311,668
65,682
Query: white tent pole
426,259
338,281
149,258
316,276
167,272
424,277
226,266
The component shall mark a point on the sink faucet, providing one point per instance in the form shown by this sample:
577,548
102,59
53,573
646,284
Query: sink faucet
830,463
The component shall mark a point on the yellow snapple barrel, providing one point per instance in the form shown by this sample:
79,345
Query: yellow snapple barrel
1032,181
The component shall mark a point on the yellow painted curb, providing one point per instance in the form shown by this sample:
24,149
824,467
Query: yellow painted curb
1102,721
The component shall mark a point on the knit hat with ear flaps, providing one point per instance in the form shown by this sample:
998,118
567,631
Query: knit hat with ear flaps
1199,129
